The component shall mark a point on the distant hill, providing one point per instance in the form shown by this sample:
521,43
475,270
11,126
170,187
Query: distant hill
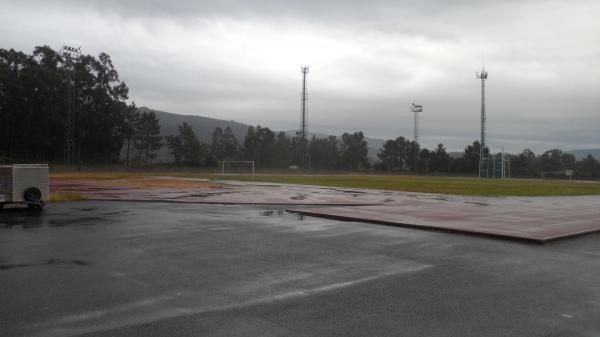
373,144
204,127
581,154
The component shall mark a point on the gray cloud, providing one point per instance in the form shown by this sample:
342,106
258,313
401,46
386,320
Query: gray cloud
369,60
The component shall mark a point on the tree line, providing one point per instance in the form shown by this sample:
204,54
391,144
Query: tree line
277,150
268,149
400,154
37,89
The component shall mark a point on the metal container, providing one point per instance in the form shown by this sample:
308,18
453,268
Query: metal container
24,183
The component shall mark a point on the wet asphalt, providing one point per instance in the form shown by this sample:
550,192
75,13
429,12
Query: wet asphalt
166,269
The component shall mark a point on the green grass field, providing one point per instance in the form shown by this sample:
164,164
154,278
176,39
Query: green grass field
428,184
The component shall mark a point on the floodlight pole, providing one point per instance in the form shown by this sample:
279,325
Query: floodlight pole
416,109
303,121
483,75
69,55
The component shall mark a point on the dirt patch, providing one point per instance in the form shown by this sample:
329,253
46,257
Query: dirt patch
164,183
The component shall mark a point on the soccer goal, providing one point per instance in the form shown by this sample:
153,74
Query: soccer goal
566,174
494,166
237,167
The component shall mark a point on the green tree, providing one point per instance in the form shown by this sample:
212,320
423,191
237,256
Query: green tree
175,147
393,154
186,148
132,118
440,160
353,151
147,138
399,154
550,161
100,108
525,164
469,162
224,146
33,101
258,146
567,161
425,157
588,167
282,151
324,152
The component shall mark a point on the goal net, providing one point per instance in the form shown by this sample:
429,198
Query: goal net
566,174
237,167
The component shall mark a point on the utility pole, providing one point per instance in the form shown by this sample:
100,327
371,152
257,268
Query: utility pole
303,121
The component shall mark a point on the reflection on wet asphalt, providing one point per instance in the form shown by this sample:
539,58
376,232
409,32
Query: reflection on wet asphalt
164,269
23,217
26,218
44,263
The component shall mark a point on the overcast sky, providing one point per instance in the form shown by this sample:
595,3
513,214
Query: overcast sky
240,60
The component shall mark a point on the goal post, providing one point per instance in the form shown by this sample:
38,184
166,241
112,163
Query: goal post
557,174
237,167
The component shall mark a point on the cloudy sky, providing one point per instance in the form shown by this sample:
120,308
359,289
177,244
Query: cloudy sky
240,60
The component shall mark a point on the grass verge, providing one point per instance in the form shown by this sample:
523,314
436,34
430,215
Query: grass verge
407,183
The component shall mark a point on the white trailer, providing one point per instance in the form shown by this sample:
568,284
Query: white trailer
24,183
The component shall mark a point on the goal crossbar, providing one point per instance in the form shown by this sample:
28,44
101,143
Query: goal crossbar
249,164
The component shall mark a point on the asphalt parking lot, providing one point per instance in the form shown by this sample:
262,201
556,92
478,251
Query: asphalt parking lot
165,269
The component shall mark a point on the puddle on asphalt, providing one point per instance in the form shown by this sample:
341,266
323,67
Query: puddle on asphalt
94,220
299,197
48,262
272,213
282,213
351,192
203,195
26,218
22,217
476,203
116,213
198,195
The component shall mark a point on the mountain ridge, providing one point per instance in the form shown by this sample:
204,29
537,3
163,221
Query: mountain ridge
204,126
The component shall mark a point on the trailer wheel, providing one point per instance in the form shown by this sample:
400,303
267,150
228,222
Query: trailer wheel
32,195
